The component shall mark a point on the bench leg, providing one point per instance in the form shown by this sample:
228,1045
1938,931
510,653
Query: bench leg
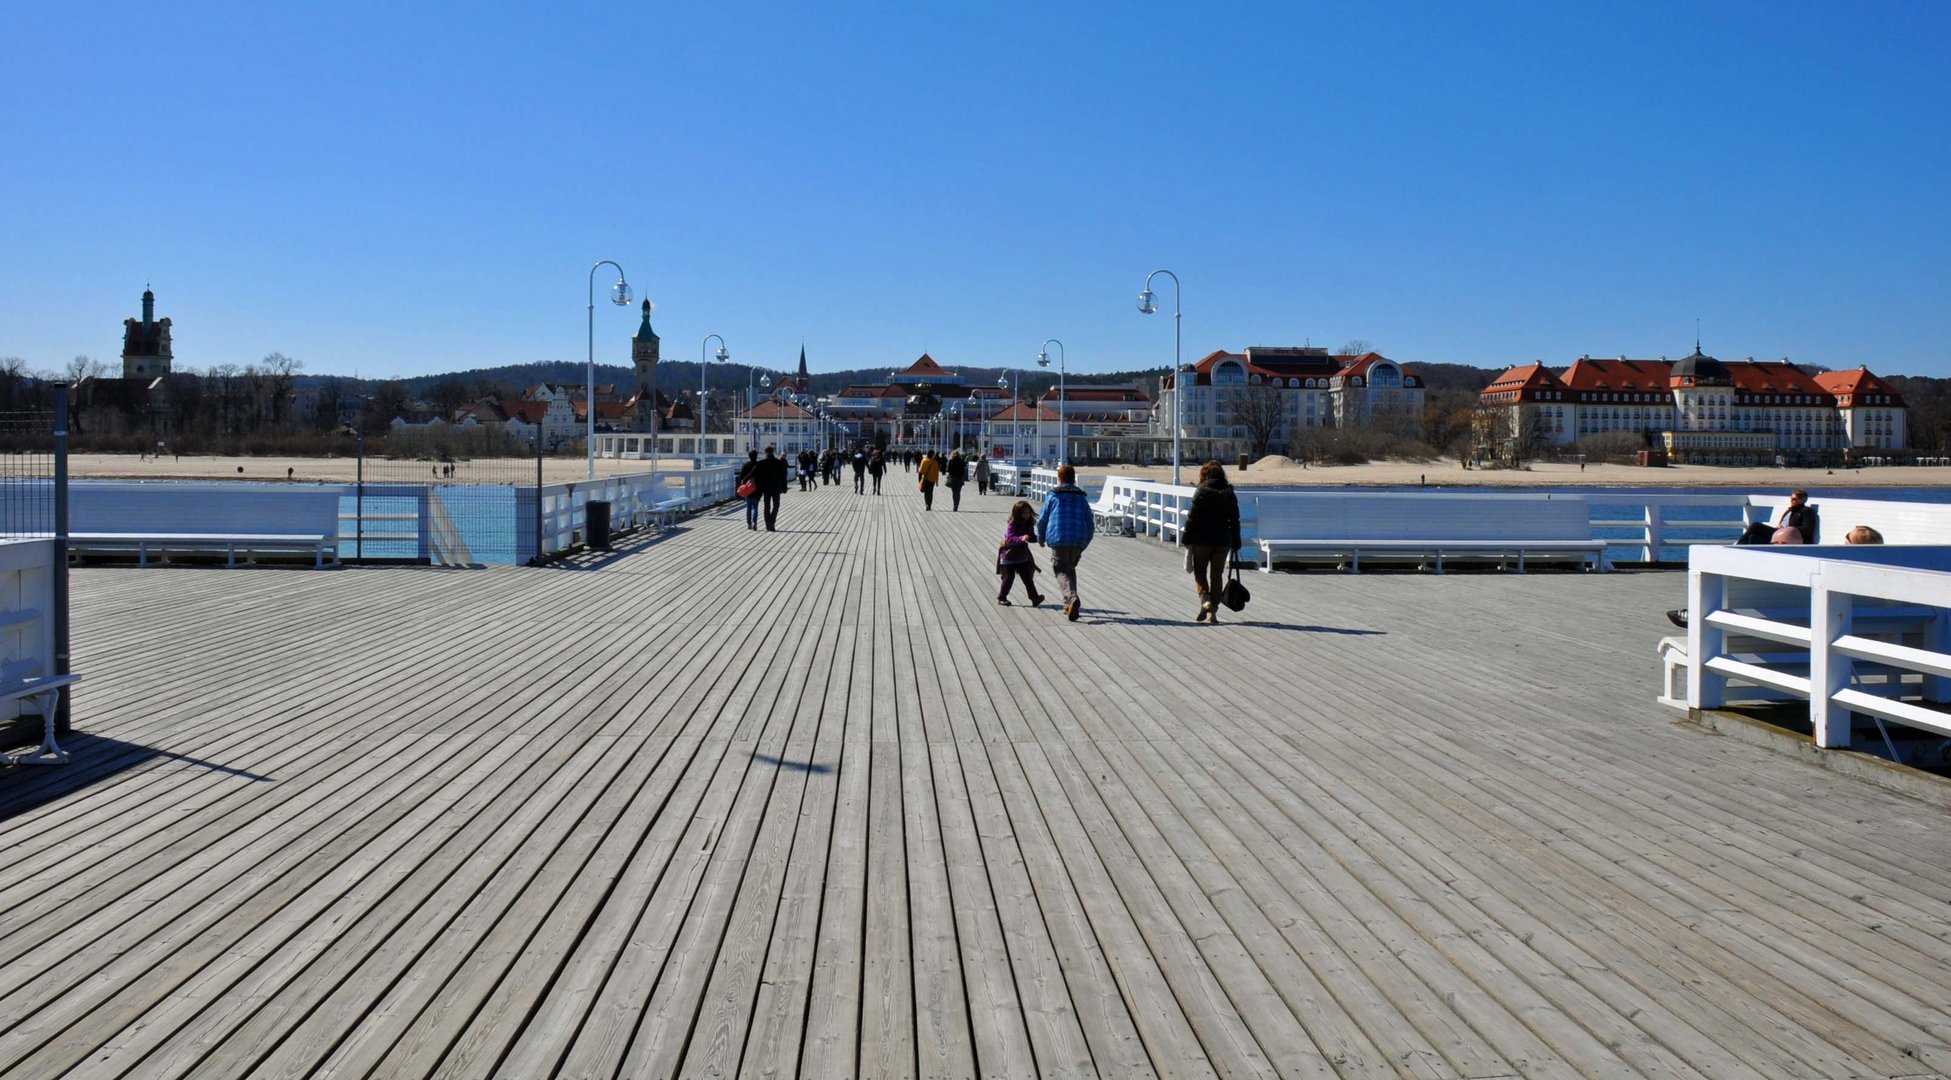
49,752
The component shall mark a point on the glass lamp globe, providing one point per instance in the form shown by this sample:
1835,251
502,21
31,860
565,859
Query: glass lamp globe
620,293
765,380
723,354
1043,359
1145,302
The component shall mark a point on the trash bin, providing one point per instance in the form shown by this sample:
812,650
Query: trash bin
1243,461
596,524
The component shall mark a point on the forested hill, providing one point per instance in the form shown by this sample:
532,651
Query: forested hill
683,375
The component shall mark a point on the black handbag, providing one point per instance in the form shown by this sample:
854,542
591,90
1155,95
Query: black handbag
1234,595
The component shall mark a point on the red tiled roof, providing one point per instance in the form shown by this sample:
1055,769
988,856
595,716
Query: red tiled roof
1022,411
1772,377
1852,384
924,366
1524,377
775,410
1589,374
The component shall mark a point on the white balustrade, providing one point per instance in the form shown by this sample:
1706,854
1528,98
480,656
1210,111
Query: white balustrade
1856,629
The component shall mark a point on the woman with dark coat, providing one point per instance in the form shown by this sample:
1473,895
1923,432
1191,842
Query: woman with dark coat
750,471
1211,533
955,474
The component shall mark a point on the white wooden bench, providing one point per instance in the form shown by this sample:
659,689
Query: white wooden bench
27,648
1430,530
163,545
247,521
663,513
1110,510
1852,631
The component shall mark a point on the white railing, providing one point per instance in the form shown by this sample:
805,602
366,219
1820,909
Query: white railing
1665,520
635,499
1008,478
1150,508
1041,481
1834,623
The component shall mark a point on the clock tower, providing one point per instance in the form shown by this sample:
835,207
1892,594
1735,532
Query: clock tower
643,354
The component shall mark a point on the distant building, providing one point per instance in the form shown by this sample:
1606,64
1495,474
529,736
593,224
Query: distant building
1697,410
1235,400
146,350
138,402
645,350
918,405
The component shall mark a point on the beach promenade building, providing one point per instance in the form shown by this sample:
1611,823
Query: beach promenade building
1697,410
1236,401
916,405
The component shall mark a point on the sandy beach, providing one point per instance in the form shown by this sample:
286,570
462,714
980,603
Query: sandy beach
1544,474
1270,472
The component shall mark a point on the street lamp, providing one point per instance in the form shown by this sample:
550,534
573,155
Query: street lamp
620,296
1043,360
752,403
722,356
1147,307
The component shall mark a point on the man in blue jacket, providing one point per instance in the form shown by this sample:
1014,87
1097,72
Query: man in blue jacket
1066,526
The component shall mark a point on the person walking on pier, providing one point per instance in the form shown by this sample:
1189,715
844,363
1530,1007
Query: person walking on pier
1014,558
749,473
772,485
877,468
1211,535
930,473
955,474
860,471
982,474
1067,527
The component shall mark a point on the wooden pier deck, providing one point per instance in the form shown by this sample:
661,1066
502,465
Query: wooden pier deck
812,804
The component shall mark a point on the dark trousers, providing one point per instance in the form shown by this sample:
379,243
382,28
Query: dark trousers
860,481
955,496
1209,570
771,509
927,495
752,510
1063,564
877,483
1025,570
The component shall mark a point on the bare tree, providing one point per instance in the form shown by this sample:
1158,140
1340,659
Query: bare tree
281,373
83,367
221,383
1356,347
1259,409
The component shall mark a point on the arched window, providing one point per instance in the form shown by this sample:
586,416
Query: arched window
1229,373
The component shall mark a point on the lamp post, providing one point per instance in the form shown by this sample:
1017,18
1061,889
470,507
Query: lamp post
752,403
722,356
1147,307
620,296
1043,360
1003,383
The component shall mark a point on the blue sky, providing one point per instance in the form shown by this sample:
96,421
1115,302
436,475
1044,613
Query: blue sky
401,189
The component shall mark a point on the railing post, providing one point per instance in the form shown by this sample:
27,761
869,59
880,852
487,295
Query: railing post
60,568
1706,593
1655,520
1829,670
538,498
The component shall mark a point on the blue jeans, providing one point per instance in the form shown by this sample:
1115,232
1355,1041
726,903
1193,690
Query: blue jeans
752,509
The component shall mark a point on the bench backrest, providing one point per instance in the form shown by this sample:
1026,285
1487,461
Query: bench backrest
1899,522
237,509
1392,516
26,614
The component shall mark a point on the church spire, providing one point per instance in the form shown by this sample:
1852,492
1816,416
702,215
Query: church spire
802,366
